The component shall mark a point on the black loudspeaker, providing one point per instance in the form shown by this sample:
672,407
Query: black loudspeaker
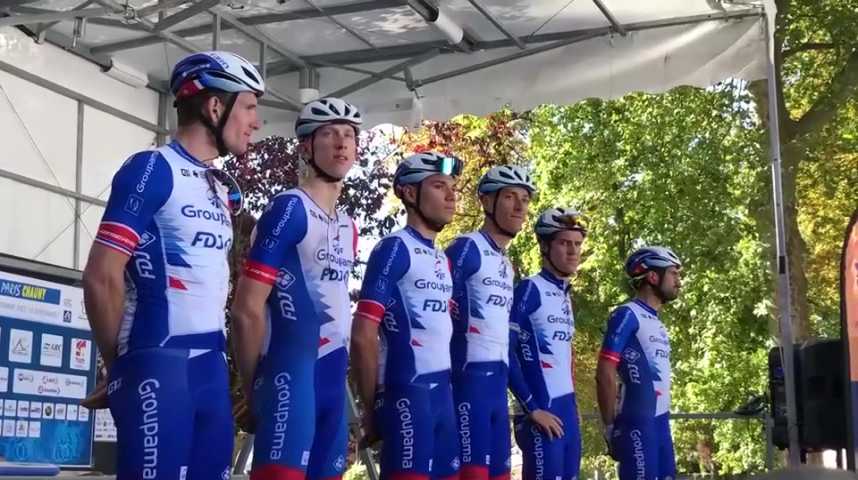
822,417
777,396
820,395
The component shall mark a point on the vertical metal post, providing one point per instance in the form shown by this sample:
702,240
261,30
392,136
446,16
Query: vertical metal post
363,453
784,293
160,137
78,185
216,31
243,455
263,67
770,448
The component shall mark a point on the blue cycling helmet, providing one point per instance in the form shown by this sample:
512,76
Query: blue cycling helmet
646,259
221,71
217,70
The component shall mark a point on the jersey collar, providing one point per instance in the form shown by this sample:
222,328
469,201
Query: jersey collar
419,236
178,148
646,307
491,242
555,280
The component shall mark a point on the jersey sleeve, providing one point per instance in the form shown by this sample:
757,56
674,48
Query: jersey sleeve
387,264
525,301
281,226
621,326
464,257
139,189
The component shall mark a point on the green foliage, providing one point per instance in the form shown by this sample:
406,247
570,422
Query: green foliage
678,169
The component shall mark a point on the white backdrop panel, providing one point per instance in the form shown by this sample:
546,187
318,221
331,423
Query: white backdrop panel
107,142
71,71
39,132
40,224
90,218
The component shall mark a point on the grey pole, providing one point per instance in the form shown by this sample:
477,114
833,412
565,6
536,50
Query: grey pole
784,293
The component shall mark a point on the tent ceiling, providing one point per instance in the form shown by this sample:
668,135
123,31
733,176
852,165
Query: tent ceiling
384,54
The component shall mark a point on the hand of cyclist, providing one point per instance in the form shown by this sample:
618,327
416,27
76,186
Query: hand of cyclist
98,398
549,423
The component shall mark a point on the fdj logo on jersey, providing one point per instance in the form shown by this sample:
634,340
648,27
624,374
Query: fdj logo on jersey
499,301
430,305
211,240
562,336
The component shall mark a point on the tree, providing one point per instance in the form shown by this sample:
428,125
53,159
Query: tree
816,63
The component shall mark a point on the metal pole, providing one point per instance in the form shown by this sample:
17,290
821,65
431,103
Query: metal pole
161,135
216,31
78,184
784,293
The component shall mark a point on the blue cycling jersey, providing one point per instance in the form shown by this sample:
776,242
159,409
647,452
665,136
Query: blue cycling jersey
482,291
164,214
407,288
172,421
307,257
636,341
542,326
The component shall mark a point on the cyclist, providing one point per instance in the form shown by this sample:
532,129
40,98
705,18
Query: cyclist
406,294
636,349
292,307
157,279
542,330
483,292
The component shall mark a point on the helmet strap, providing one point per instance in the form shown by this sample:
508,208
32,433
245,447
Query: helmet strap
546,254
217,130
434,226
491,216
311,160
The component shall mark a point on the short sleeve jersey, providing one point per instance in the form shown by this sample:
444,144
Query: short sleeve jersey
636,341
483,294
307,256
407,288
174,224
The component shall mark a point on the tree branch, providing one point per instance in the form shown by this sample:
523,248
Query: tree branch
843,87
806,47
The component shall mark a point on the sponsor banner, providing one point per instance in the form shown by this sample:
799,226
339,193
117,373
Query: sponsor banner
51,350
41,301
105,429
81,353
20,345
49,384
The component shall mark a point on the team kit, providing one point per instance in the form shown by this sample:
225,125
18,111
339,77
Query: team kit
438,337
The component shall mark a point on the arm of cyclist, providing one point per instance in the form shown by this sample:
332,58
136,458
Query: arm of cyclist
281,226
364,368
621,327
523,355
140,187
388,262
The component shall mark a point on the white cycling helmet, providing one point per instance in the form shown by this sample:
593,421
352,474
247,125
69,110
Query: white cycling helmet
420,166
556,220
505,176
325,111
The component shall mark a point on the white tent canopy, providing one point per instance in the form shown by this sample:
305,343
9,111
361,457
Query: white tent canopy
476,56
72,73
